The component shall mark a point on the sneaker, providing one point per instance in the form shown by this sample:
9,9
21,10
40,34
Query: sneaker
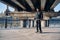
40,31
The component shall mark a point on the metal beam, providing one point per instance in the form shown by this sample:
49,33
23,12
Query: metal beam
12,4
55,4
48,4
25,4
37,4
43,4
18,4
30,3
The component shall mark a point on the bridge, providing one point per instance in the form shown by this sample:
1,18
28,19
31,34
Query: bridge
32,5
29,7
25,11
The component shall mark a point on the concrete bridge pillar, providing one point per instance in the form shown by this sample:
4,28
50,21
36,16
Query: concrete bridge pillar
21,23
31,23
46,23
42,23
34,23
28,23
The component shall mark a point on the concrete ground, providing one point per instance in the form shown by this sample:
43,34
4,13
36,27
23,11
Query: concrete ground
29,34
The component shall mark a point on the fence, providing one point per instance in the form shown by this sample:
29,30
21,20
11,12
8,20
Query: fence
18,23
54,23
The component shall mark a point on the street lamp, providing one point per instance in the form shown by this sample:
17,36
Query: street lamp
6,15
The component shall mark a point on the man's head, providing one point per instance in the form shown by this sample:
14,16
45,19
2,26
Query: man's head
37,9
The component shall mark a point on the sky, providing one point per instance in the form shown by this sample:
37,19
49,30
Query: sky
3,7
57,8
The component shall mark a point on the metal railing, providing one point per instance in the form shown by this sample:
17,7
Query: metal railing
54,23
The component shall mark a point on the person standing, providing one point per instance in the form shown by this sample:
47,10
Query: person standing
38,18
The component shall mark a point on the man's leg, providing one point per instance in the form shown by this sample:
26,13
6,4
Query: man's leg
37,25
40,26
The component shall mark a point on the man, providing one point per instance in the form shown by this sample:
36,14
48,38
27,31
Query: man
38,18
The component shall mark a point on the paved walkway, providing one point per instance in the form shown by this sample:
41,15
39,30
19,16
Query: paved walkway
29,34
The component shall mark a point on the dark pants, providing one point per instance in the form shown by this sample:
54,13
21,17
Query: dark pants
38,26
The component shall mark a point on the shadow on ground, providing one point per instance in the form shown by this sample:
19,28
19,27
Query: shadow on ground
50,32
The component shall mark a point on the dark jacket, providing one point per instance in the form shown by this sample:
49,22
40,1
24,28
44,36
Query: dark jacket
39,15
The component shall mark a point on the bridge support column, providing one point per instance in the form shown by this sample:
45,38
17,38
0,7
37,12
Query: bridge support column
42,23
31,23
34,23
6,22
28,23
24,23
46,23
21,23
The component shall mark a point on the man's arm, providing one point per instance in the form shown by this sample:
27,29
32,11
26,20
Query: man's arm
41,15
35,16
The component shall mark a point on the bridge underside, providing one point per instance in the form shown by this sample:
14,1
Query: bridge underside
32,5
